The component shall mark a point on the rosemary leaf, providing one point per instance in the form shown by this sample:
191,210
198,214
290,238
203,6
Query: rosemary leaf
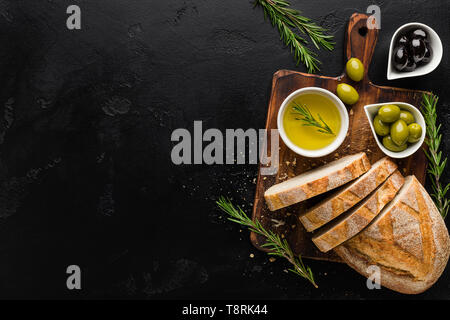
277,246
436,162
309,120
287,20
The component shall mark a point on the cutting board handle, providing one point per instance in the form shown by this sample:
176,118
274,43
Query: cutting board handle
361,40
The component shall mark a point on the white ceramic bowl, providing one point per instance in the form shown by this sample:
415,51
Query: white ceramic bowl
436,47
372,110
340,136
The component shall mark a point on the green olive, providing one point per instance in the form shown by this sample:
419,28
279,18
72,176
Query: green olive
381,128
389,113
415,132
355,69
347,93
407,116
399,132
390,145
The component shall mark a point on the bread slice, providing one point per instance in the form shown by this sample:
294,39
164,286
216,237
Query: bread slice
408,241
316,181
354,221
348,196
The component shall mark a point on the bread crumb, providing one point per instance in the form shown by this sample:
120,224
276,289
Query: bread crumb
351,112
272,259
252,255
283,177
277,223
294,226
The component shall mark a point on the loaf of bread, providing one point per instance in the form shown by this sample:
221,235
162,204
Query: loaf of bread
355,220
408,241
347,196
316,181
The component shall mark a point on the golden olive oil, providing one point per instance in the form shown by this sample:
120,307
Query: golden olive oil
308,137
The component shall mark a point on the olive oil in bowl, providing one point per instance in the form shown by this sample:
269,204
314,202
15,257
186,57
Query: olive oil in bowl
315,130
312,122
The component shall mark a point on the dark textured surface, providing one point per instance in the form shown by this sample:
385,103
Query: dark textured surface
85,124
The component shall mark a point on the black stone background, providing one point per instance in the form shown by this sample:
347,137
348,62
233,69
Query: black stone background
85,124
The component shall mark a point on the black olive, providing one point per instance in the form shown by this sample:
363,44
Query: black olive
403,40
428,54
418,49
419,34
411,66
400,58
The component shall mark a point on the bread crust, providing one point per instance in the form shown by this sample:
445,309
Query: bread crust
356,220
342,200
305,191
409,242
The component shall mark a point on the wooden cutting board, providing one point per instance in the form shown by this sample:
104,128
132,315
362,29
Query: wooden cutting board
360,43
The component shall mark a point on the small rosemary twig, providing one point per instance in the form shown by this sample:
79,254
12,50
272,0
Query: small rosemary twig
436,162
309,119
286,19
276,245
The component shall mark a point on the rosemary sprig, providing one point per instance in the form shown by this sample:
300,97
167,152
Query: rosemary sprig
286,19
277,246
309,119
437,163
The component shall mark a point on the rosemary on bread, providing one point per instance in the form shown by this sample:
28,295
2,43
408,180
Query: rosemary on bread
277,246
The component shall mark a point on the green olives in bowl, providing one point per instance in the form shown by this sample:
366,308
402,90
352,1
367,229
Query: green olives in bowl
389,113
391,145
407,116
399,132
398,127
415,132
381,128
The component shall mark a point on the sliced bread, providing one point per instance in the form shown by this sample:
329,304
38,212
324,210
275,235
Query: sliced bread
316,181
354,221
348,196
408,241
